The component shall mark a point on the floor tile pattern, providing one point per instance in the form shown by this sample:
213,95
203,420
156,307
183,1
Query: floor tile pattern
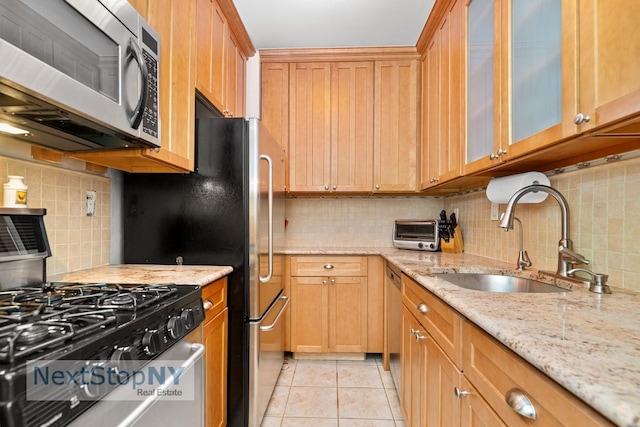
329,393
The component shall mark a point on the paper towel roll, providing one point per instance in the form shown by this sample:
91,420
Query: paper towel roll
500,190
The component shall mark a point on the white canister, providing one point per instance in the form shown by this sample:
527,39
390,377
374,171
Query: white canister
15,192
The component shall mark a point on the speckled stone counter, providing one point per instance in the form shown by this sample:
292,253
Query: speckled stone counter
588,343
147,274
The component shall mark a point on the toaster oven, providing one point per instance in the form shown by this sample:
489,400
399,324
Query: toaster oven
416,234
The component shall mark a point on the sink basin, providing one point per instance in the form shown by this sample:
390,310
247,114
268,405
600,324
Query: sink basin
498,283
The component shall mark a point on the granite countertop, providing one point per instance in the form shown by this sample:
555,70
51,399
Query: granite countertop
147,274
588,343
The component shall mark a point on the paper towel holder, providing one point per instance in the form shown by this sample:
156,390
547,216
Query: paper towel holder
500,190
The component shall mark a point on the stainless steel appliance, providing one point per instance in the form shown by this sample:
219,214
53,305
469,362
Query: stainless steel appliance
108,327
230,211
79,75
393,288
416,234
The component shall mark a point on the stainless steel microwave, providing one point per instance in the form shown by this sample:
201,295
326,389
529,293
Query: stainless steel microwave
78,75
416,234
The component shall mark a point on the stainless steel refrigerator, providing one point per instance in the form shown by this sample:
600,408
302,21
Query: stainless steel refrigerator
230,211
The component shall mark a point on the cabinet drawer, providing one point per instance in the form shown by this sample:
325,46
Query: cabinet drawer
494,370
328,266
442,322
214,297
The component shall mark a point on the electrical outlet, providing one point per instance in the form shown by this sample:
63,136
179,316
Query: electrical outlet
495,212
91,202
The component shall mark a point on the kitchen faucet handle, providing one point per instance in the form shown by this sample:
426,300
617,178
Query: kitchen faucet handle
576,258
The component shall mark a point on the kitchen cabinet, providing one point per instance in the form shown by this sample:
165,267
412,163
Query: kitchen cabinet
214,333
173,20
351,117
522,75
395,150
221,61
497,372
431,359
442,113
331,127
609,66
448,380
328,304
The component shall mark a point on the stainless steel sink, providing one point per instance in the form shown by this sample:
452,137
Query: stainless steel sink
498,283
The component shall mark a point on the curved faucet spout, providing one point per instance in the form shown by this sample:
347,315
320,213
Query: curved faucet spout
566,256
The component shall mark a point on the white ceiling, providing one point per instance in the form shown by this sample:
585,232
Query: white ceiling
280,24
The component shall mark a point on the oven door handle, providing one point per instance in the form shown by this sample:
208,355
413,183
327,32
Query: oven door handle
198,351
267,278
275,321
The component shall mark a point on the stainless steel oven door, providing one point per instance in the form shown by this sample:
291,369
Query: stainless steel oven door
79,56
153,411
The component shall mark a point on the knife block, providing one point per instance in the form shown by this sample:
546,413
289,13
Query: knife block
454,245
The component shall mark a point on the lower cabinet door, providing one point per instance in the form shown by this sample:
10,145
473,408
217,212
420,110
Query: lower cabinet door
474,410
215,342
442,377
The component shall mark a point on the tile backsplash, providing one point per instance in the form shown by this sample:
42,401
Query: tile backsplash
77,241
604,212
352,221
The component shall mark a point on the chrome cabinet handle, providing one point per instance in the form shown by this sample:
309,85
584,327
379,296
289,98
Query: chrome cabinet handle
460,393
328,266
265,279
414,331
326,187
377,186
333,281
335,187
501,152
207,305
520,403
581,118
324,282
420,337
422,308
133,51
492,156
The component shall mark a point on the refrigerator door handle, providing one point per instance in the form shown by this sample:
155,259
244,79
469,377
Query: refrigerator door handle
275,321
265,279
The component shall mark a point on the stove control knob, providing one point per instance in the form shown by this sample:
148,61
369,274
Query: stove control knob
189,318
152,342
121,358
176,326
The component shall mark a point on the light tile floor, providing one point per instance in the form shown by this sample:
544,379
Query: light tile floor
324,393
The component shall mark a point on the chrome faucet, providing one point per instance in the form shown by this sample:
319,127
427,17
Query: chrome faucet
523,256
567,258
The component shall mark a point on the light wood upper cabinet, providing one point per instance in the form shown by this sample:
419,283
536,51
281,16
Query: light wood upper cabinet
609,65
309,127
331,127
521,80
173,20
221,62
395,126
442,102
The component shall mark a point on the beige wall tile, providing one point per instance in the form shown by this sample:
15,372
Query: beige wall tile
604,204
77,241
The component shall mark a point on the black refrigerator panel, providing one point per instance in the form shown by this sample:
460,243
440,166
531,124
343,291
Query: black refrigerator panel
202,218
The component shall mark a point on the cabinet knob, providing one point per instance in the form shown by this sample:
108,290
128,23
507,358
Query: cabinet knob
326,187
328,266
460,393
333,281
492,156
324,282
422,308
501,152
377,186
334,187
420,337
520,403
207,305
581,118
414,331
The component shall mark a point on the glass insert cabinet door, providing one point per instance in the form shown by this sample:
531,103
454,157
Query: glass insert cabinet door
536,66
480,79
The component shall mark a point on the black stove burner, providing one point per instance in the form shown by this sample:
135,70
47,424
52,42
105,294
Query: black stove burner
32,334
